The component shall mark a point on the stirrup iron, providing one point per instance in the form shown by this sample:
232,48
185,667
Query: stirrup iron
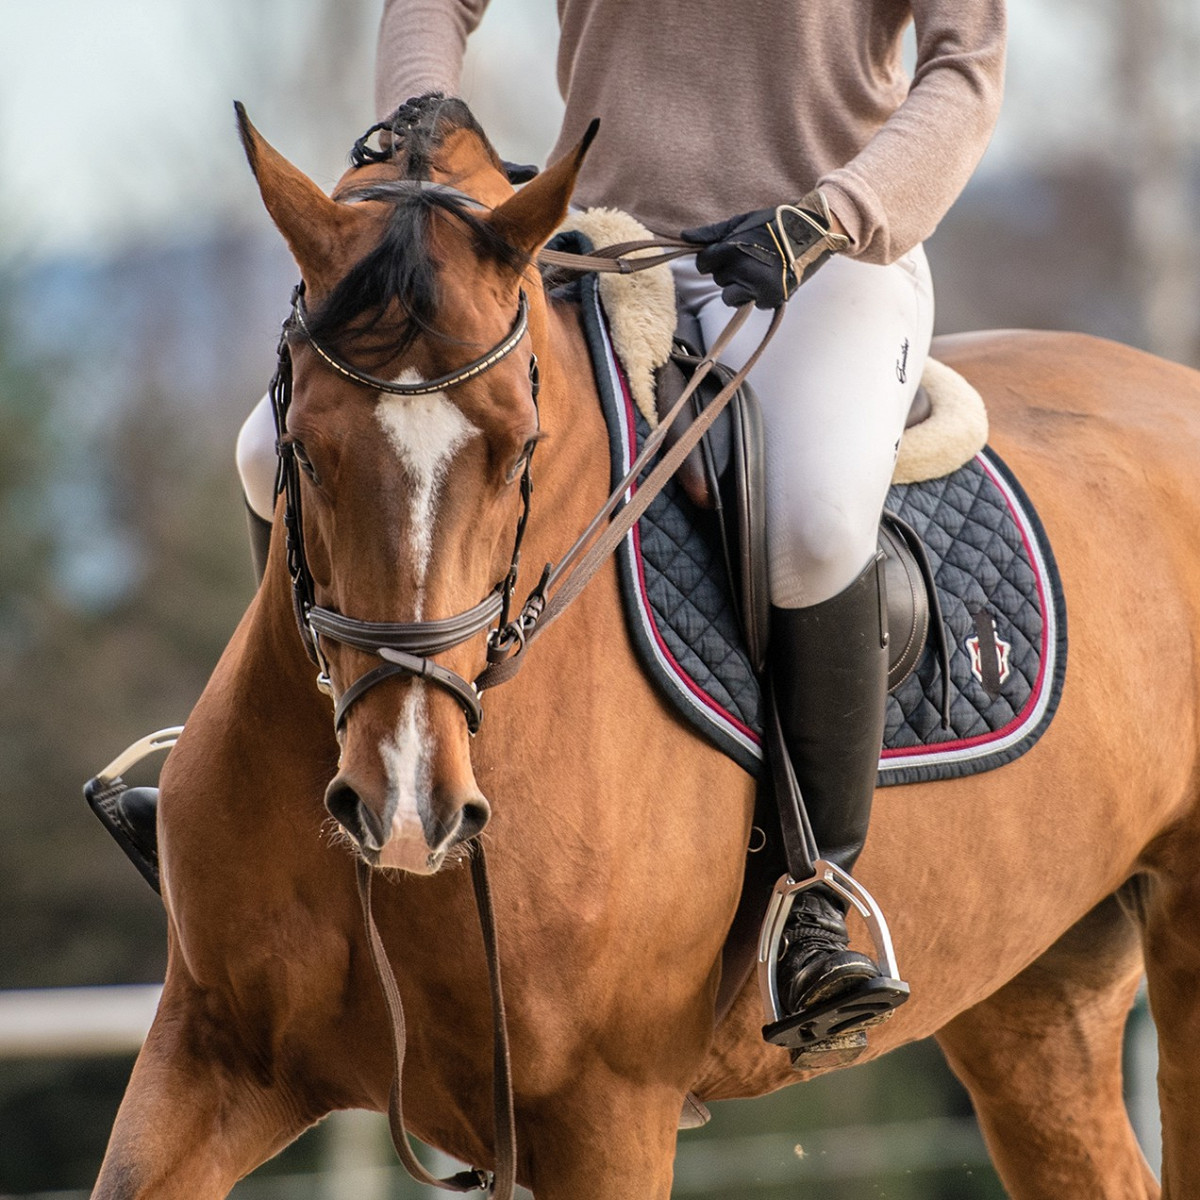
104,792
864,1005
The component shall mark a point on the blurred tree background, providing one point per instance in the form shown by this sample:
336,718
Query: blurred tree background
140,293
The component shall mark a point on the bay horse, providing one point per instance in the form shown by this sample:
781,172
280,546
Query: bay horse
1026,902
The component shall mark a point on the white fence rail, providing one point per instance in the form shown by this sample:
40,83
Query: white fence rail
95,1021
76,1022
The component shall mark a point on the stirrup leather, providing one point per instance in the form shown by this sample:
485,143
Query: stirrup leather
864,1005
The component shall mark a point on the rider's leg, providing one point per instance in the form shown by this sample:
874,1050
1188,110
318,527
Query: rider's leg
828,665
260,542
835,387
256,462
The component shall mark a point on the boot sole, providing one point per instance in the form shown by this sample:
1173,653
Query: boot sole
856,1008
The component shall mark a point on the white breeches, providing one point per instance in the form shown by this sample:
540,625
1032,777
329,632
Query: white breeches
835,385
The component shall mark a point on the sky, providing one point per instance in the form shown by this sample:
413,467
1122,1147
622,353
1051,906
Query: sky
116,118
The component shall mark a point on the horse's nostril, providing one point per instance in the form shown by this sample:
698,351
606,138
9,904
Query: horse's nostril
475,815
462,823
346,807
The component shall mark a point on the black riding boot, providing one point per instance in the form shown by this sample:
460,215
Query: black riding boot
131,815
829,666
260,542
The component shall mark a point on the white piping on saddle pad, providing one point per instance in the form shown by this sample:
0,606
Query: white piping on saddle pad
640,310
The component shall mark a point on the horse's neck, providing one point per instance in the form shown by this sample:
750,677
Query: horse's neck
571,470
265,664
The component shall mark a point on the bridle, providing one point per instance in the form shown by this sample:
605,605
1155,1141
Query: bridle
406,647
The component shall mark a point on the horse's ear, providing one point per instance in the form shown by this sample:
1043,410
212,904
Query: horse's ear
325,237
531,217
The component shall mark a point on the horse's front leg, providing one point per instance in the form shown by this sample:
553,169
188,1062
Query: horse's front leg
201,1110
608,1140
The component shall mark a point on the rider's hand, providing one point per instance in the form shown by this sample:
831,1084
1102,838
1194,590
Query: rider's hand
763,256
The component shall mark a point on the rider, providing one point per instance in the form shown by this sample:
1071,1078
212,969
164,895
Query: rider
708,109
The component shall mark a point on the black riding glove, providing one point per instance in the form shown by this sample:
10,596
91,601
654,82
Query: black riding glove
764,256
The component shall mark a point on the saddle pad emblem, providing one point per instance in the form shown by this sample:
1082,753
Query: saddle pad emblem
1003,652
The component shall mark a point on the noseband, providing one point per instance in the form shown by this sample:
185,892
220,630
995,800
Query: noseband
406,648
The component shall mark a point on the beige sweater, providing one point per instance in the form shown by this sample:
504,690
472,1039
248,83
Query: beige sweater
712,107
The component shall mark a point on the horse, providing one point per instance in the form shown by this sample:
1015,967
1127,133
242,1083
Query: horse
1026,902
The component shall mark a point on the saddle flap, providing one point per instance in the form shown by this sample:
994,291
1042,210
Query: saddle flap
710,458
724,474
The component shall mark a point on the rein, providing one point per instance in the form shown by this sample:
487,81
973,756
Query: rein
576,568
407,648
502,1183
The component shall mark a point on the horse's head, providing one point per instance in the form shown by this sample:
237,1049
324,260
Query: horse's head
410,419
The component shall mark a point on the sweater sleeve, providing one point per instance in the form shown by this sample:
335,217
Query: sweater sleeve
894,192
421,44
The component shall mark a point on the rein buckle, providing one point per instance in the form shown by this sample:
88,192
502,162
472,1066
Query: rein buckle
506,641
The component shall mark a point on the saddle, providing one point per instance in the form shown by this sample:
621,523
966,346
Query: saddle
724,475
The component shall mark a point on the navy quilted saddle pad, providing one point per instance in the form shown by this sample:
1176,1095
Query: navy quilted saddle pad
995,574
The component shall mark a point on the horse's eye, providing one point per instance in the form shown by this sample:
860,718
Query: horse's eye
301,456
521,462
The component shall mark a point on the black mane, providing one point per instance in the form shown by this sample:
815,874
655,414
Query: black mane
401,268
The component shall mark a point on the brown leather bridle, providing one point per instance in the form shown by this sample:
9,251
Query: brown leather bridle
406,647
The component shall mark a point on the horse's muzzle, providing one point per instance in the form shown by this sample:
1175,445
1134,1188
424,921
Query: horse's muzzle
402,840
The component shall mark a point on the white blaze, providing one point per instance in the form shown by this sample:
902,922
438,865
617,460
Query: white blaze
425,432
404,759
